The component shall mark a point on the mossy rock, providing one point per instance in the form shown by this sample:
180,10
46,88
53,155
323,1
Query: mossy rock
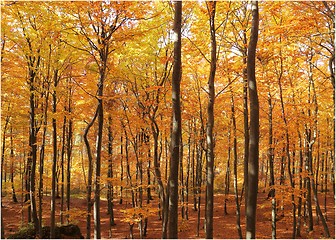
27,232
70,231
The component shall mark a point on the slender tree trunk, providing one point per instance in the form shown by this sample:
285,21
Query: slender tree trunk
89,202
325,185
42,151
121,169
3,152
298,226
14,198
181,181
253,161
319,212
69,152
31,168
62,168
110,176
199,156
246,120
188,175
308,187
271,163
96,205
235,163
54,162
176,126
211,6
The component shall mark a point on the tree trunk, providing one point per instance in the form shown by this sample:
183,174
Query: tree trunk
3,152
271,163
100,120
121,169
110,176
69,152
211,6
14,198
54,162
90,174
176,125
253,161
235,162
42,151
62,168
319,212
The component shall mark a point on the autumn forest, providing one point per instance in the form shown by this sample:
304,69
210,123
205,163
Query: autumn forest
168,119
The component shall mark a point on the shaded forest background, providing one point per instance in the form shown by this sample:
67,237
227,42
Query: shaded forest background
86,110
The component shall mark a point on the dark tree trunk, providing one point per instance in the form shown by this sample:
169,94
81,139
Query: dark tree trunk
298,226
110,176
211,6
176,126
62,168
253,161
54,162
33,151
14,198
89,202
100,120
3,152
121,169
181,180
69,152
42,151
235,162
271,163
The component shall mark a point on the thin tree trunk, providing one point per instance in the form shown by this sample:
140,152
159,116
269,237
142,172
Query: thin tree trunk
69,152
319,212
89,202
298,226
253,161
54,162
62,169
121,169
199,156
235,162
271,163
42,151
325,185
211,6
110,176
3,152
14,198
181,179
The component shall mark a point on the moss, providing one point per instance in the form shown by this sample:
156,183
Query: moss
61,232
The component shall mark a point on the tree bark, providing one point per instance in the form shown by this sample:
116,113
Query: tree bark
176,126
54,162
211,6
235,170
253,160
110,175
90,174
69,152
271,163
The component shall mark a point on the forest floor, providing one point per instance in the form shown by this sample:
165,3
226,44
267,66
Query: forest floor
224,225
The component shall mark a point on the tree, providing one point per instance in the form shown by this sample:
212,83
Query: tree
253,161
176,124
211,7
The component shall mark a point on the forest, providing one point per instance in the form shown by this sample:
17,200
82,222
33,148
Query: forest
168,119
